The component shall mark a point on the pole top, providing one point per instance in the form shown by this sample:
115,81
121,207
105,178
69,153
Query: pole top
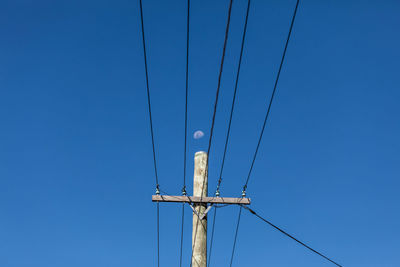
200,153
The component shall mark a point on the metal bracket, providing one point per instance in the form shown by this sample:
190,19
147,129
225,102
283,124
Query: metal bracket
201,216
206,211
195,211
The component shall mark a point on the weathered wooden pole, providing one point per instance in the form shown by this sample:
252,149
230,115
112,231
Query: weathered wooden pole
199,234
201,204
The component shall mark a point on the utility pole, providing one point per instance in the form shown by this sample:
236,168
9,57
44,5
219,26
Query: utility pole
201,205
199,232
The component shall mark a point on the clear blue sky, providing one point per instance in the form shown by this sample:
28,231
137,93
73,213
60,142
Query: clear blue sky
76,170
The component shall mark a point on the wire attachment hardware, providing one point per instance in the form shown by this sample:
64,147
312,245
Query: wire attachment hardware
244,192
217,191
184,193
157,189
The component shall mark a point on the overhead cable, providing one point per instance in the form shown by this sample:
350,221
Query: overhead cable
236,234
289,235
217,193
186,119
272,96
215,108
151,129
234,96
266,116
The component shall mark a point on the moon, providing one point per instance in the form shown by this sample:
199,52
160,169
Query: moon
198,134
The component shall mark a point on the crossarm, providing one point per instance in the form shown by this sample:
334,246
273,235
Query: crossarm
213,200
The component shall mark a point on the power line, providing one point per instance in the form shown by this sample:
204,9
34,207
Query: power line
265,119
148,93
186,111
158,234
151,129
186,93
230,123
215,108
212,237
234,95
213,228
285,233
272,96
183,219
219,79
236,234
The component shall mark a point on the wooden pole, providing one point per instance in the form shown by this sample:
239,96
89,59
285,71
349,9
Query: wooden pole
199,202
200,188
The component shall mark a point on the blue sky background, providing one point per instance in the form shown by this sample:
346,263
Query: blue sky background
76,173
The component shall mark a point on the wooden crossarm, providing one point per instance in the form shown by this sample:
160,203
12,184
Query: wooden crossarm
205,200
